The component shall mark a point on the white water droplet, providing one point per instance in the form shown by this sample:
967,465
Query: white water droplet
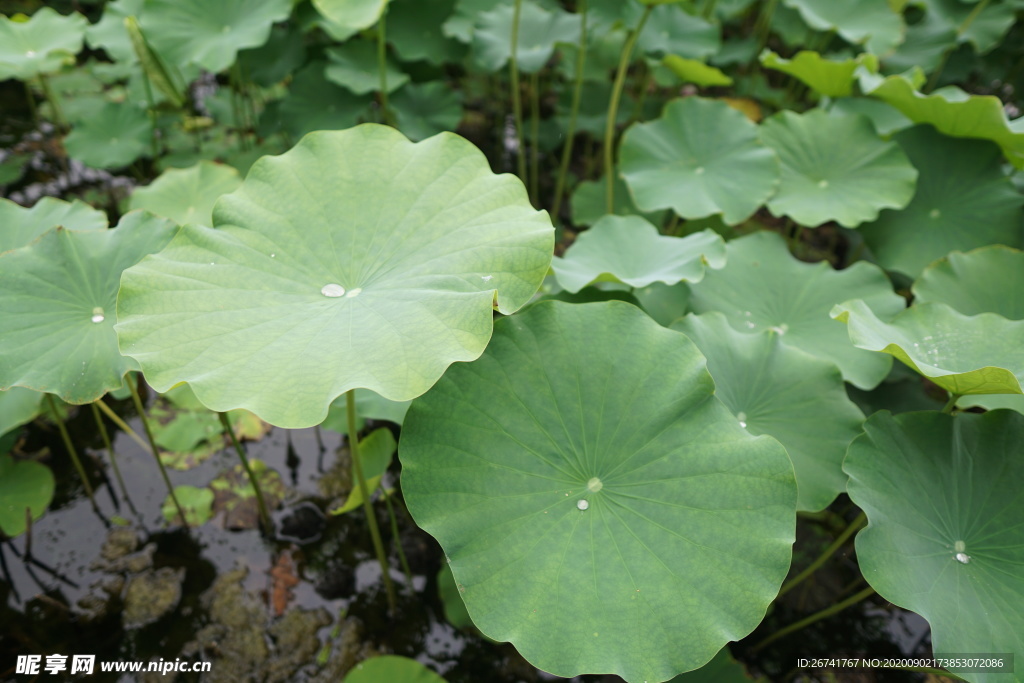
780,329
595,485
30,53
273,256
742,417
750,325
699,170
332,290
963,558
352,293
582,504
823,184
486,278
97,315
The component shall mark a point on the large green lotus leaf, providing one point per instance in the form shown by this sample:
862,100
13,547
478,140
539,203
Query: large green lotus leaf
963,201
414,28
357,259
763,287
599,507
109,32
24,484
701,158
954,112
835,168
630,250
41,45
314,103
351,14
872,23
825,76
781,391
986,280
539,30
17,407
673,30
981,354
119,134
393,669
945,535
57,300
354,66
425,109
984,30
210,34
187,195
19,226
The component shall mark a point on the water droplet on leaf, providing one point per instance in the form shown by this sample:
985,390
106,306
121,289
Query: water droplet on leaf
582,504
97,315
742,417
963,558
332,290
594,485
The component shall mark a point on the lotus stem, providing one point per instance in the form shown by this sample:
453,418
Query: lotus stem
236,107
382,66
154,143
152,445
535,138
951,403
110,450
517,103
394,534
264,515
763,27
817,616
613,109
121,424
823,558
574,112
58,116
933,80
70,447
709,8
357,465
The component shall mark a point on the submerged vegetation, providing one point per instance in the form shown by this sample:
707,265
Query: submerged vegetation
695,325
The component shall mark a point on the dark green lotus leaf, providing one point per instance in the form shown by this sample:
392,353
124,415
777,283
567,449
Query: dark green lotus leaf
354,15
672,30
451,599
393,669
21,225
17,407
963,201
314,103
277,59
695,71
24,485
630,250
946,524
376,450
721,669
701,158
986,280
196,503
187,195
109,32
425,109
589,203
875,24
210,34
954,112
886,118
781,391
41,45
284,307
57,299
834,78
414,29
539,30
118,135
234,495
981,354
353,66
632,530
984,29
835,168
763,287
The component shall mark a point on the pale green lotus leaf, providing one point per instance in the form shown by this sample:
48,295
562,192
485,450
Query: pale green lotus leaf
356,259
19,226
41,45
109,32
18,406
119,134
57,300
763,287
375,450
963,201
393,669
187,195
354,66
354,15
425,109
986,280
835,169
695,71
833,78
196,502
871,23
589,202
981,354
673,30
886,118
24,485
539,31
630,250
945,535
599,507
701,158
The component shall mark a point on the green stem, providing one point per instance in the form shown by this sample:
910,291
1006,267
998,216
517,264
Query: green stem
613,109
823,558
933,80
154,142
382,66
763,27
264,515
673,224
371,518
152,445
517,104
54,105
709,8
121,424
535,138
951,403
574,112
236,109
66,438
817,616
110,450
394,534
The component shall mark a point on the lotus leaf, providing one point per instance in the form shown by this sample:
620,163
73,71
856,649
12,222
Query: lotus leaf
274,61
187,195
589,201
695,71
835,168
664,303
451,599
763,287
414,28
984,30
284,307
109,32
630,250
118,135
21,226
986,280
963,201
585,487
721,669
701,158
369,406
18,406
24,485
425,109
234,495
354,66
886,118
672,30
393,669
196,502
41,45
946,524
376,450
825,76
539,30
354,15
872,23
57,299
314,103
